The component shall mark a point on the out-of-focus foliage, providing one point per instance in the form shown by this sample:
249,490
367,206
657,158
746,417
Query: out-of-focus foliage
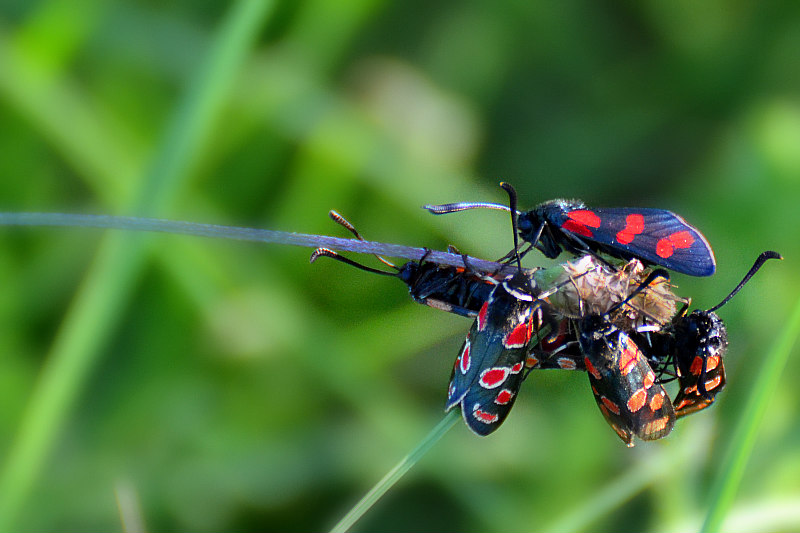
238,388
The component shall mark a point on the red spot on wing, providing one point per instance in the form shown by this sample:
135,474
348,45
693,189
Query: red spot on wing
592,370
712,362
585,217
503,397
464,360
656,402
628,358
611,406
483,416
517,368
666,247
697,366
637,400
579,222
649,379
519,336
578,229
566,363
634,225
656,425
681,239
712,384
532,362
482,316
493,377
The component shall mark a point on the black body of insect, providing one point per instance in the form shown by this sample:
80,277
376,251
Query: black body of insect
625,387
654,236
489,369
453,289
694,345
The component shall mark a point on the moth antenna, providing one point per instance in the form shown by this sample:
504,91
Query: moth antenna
762,258
326,252
512,204
444,209
339,219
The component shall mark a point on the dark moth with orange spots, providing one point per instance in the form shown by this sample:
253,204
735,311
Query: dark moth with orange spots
626,389
694,345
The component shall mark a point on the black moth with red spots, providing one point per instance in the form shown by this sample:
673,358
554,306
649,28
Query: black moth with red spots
695,344
655,236
625,361
699,340
447,288
626,389
489,369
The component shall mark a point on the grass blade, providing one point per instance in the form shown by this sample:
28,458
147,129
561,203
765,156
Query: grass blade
746,432
245,234
388,481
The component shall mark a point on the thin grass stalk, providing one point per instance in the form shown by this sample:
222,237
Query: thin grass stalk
395,474
744,437
244,234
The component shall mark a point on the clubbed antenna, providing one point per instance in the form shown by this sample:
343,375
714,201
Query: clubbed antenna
512,204
444,209
339,219
769,254
326,252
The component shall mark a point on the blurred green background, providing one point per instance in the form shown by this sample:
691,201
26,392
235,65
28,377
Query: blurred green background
230,386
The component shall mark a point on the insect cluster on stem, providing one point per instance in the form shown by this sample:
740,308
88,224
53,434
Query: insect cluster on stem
610,312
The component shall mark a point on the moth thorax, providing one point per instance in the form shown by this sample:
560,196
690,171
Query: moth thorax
521,286
596,333
702,333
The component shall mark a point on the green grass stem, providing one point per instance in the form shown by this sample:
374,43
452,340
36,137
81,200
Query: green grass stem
746,432
394,475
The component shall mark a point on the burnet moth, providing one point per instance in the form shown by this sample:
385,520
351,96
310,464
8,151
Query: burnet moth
655,236
447,288
625,387
694,344
490,366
